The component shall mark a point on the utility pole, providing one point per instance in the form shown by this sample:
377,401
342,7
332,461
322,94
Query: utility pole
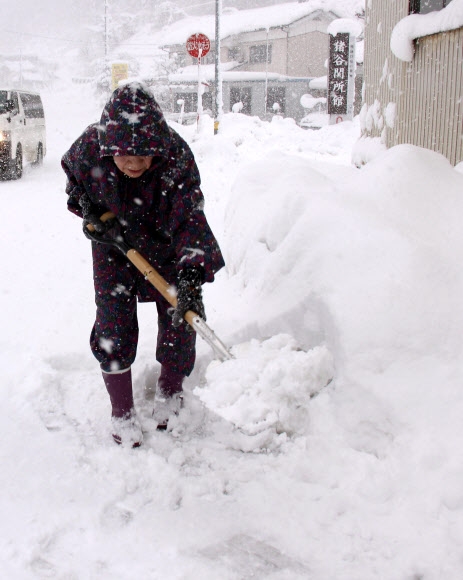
105,31
218,72
266,77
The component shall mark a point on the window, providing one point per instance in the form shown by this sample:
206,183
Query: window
260,53
14,98
276,100
3,102
32,104
425,6
190,101
241,95
234,53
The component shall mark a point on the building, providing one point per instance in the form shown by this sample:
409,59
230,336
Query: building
250,93
26,71
266,68
413,81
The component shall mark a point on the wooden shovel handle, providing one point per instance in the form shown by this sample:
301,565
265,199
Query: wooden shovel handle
161,285
150,274
104,218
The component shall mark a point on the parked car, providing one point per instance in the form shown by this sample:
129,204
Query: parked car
316,112
22,131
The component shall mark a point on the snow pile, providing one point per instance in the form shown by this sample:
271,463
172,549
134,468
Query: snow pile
347,25
417,25
268,386
315,239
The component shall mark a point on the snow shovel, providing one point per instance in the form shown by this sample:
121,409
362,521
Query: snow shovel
161,285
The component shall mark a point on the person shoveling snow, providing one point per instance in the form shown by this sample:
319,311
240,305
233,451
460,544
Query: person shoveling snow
133,165
131,176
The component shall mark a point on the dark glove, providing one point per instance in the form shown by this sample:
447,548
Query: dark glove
189,295
91,215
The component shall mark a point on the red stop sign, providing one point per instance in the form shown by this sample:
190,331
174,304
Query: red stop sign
198,45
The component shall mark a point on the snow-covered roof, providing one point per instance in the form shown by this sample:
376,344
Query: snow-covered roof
418,25
240,21
208,74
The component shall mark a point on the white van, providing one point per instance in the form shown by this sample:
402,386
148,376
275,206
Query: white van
22,131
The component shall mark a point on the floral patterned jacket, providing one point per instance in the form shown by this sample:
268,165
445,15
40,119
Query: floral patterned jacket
161,213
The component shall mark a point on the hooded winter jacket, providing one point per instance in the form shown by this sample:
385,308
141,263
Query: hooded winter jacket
161,212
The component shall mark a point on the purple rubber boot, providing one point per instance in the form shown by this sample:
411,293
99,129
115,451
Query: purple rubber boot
125,425
168,399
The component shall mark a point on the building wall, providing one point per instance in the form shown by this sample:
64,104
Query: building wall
308,55
431,105
418,102
383,72
275,38
300,49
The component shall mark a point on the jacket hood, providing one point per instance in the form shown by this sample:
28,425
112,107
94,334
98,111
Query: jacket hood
132,123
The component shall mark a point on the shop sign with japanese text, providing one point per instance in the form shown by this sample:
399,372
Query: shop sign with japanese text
341,75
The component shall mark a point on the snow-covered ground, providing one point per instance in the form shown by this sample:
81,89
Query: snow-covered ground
269,473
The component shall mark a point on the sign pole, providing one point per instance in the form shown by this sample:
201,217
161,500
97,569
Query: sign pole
198,45
200,91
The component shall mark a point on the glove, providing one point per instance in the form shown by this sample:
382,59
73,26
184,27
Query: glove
98,226
189,295
91,215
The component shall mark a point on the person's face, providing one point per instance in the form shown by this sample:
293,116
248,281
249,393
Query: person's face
132,165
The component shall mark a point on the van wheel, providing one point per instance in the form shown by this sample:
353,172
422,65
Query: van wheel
17,170
39,159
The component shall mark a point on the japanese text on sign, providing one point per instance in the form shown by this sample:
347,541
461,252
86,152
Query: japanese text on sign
198,45
341,73
119,72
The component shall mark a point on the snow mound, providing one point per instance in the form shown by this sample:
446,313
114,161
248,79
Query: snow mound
268,386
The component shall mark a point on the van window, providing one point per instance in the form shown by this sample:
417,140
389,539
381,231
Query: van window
14,98
3,100
32,105
9,105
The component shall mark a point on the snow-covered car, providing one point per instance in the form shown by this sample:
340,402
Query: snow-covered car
316,115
